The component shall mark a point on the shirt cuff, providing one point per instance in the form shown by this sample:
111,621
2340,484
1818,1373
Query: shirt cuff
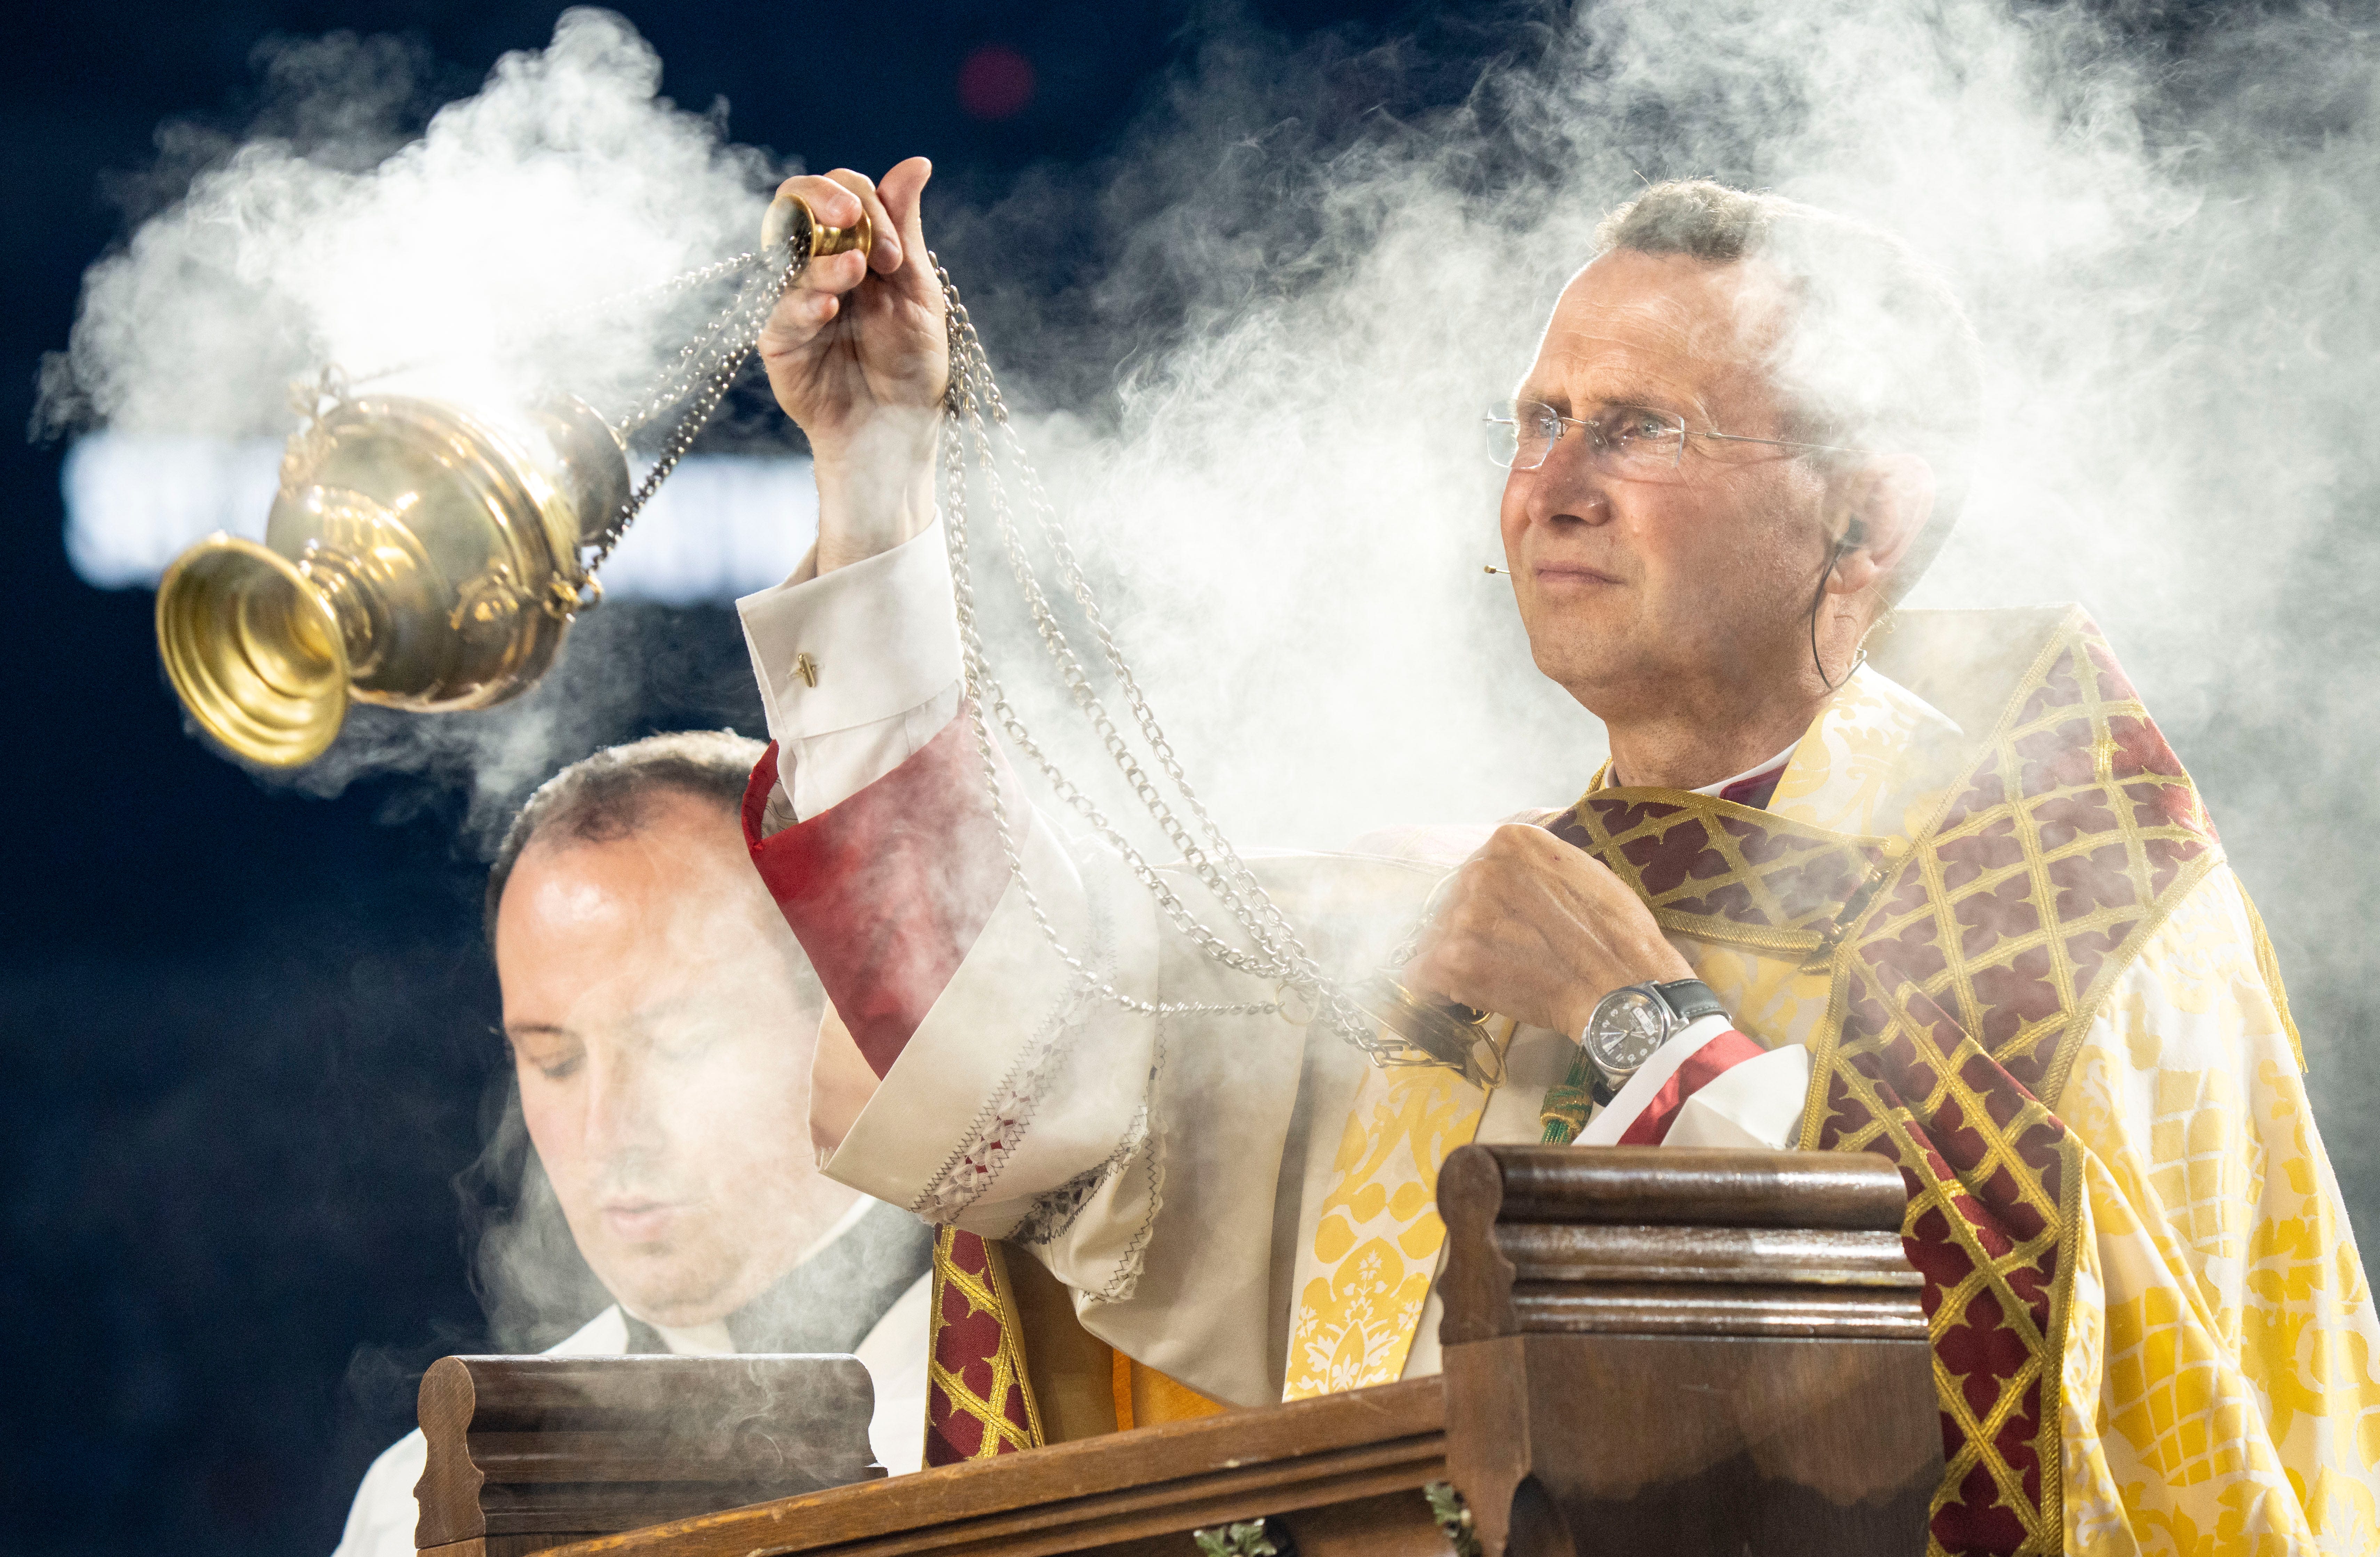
856,669
1642,1089
1757,1103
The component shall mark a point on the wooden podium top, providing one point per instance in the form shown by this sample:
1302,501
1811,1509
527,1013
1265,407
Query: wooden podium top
1672,1351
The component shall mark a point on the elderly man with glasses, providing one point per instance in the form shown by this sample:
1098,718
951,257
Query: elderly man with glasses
1957,905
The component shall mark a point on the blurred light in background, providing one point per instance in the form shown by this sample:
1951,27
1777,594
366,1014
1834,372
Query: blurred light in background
995,82
722,525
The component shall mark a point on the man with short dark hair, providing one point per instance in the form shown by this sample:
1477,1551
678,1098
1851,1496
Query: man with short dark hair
1956,903
671,1050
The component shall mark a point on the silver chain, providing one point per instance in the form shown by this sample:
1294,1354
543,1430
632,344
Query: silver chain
705,367
714,344
972,408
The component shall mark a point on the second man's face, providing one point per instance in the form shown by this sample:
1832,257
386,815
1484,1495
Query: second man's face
664,1035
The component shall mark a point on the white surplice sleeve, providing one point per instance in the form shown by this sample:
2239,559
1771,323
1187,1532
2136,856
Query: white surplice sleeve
1139,1159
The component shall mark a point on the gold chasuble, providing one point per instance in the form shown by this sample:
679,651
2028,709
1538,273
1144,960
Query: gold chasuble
2151,1330
1987,901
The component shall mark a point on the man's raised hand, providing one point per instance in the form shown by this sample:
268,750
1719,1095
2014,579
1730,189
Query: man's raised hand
856,354
1534,929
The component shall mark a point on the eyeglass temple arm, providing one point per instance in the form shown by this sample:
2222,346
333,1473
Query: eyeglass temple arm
1775,443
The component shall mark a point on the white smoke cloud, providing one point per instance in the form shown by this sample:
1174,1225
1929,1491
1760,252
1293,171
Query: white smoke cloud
473,250
1293,497
2169,271
1305,272
2165,244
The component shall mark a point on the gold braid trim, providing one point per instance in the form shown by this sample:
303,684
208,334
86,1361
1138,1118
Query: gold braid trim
987,1293
1964,968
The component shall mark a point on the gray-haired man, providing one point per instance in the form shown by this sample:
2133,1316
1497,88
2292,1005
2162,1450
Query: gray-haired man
1960,907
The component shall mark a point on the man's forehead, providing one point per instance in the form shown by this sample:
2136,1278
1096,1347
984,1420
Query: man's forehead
592,934
1669,315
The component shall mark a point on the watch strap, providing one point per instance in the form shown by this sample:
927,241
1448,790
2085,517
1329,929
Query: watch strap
1690,1000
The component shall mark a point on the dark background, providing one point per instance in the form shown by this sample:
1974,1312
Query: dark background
247,1033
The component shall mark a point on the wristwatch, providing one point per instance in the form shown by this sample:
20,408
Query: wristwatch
1633,1022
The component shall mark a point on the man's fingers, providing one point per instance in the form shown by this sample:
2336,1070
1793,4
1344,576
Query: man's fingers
836,273
830,200
1451,947
839,199
902,192
884,240
1423,980
797,321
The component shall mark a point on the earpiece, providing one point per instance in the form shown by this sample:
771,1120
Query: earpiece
1853,537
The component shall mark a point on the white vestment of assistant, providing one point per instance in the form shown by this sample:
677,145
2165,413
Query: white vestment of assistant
382,1520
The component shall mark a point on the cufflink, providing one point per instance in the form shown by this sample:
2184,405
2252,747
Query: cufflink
806,668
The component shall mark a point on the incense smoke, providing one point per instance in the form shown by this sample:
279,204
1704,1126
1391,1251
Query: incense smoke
480,255
1298,279
475,253
2164,243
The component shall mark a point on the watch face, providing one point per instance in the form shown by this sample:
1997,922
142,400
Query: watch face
1627,1027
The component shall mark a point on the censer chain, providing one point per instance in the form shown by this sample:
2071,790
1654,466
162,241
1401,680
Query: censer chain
706,369
972,408
739,322
1279,958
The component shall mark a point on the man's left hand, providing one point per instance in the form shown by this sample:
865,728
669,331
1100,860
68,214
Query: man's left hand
1536,929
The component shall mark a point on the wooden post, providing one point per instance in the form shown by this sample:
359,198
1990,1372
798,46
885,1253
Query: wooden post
1651,1349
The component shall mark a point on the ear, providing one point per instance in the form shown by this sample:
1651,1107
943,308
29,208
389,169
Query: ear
1878,509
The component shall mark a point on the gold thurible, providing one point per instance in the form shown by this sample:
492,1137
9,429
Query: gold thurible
417,556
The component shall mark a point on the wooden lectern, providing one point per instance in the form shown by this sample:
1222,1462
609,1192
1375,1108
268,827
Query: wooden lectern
1646,1350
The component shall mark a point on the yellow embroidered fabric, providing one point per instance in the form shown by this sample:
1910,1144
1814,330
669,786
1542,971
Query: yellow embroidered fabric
2210,1386
1875,761
1362,1282
2226,1367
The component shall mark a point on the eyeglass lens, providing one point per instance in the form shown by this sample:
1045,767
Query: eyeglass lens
1626,441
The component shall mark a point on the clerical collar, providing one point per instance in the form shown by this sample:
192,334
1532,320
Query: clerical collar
828,1302
702,1340
1755,786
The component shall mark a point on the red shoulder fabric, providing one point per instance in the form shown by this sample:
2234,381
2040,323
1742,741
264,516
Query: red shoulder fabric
887,890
